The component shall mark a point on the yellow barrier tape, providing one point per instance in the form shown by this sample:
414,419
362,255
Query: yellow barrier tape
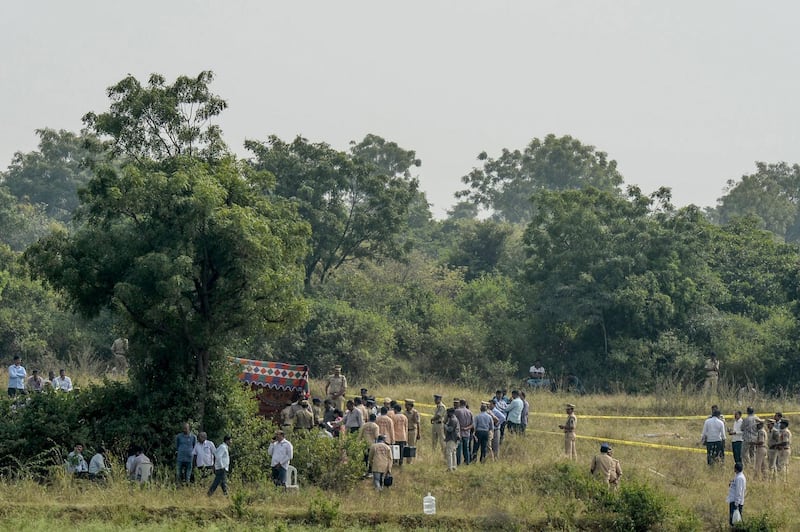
602,416
625,442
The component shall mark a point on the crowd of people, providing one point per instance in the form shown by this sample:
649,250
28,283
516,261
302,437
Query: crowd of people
764,444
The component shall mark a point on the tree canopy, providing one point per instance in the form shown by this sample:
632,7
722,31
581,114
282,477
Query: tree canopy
185,246
354,205
505,184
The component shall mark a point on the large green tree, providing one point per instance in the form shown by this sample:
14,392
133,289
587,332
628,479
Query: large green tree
771,193
505,184
183,244
356,204
608,275
52,175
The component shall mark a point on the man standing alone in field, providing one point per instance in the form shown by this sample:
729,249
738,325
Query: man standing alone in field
712,373
569,432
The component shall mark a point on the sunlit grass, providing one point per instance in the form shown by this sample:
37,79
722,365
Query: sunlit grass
501,491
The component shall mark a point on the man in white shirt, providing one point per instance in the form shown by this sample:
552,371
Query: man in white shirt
736,492
76,463
62,382
713,438
282,452
537,371
97,465
222,459
203,453
16,377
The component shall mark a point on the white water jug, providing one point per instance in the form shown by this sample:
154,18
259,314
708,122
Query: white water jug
429,504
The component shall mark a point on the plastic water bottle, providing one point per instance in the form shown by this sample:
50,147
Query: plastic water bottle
429,504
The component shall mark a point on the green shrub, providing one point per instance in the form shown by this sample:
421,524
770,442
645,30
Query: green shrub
324,512
761,523
637,507
329,463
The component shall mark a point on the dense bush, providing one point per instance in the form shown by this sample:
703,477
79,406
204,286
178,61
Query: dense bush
330,463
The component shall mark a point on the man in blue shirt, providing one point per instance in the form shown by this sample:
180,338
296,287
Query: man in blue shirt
184,446
483,424
501,420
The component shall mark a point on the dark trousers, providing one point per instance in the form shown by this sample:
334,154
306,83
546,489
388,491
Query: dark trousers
736,447
279,475
184,471
220,479
483,442
465,450
732,506
715,452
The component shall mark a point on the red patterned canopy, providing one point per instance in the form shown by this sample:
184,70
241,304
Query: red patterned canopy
275,375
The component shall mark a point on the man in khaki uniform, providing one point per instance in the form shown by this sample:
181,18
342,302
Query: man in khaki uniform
569,433
604,467
400,430
304,417
386,425
784,449
414,432
760,451
773,439
336,387
712,374
437,423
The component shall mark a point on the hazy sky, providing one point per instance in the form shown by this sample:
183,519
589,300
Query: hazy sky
685,94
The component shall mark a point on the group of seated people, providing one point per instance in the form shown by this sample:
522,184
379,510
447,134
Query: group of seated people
37,384
138,467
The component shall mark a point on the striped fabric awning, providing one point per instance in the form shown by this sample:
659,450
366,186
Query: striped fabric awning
275,375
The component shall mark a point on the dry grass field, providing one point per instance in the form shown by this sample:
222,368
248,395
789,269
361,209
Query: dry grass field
510,493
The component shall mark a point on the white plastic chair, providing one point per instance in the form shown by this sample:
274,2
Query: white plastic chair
291,478
143,472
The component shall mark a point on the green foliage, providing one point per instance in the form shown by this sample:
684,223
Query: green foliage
51,176
354,207
638,507
324,512
770,195
190,258
22,222
329,463
336,333
161,121
759,523
506,184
